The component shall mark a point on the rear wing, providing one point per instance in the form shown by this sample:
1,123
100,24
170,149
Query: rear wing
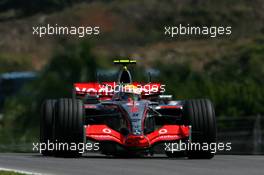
107,89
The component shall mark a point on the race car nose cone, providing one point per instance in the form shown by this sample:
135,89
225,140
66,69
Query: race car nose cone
136,141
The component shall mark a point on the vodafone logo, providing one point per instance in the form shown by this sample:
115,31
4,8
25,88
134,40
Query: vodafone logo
106,130
163,131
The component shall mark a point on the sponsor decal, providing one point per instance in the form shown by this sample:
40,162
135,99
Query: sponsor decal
107,131
163,131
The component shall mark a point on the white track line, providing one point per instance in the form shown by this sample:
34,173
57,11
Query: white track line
20,171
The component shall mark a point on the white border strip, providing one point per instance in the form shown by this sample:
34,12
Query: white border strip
20,171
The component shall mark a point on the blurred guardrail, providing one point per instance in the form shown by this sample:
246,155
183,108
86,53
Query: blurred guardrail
12,82
246,134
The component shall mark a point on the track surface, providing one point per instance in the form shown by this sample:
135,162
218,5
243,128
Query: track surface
96,164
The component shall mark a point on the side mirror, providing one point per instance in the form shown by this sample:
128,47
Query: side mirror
165,97
153,103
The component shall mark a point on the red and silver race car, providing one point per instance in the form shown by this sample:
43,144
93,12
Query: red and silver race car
128,118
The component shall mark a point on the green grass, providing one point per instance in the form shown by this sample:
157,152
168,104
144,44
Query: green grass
9,173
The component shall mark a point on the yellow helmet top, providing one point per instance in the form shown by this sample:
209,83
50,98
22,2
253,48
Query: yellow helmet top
131,89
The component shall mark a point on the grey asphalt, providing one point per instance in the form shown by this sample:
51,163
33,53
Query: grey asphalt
96,164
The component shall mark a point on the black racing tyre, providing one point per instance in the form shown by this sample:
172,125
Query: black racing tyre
69,127
175,154
201,115
46,123
108,148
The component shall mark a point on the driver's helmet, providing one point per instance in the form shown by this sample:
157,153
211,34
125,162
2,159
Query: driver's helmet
131,89
129,93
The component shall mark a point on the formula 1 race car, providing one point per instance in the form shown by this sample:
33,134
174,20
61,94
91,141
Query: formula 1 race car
128,118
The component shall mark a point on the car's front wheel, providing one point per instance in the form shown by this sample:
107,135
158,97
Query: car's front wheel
46,123
201,116
69,127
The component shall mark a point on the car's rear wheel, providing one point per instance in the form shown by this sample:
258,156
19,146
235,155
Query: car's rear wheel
201,116
69,127
46,123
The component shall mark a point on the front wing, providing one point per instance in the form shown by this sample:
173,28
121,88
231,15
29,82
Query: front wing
167,133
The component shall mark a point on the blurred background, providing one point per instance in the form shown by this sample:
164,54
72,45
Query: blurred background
227,69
